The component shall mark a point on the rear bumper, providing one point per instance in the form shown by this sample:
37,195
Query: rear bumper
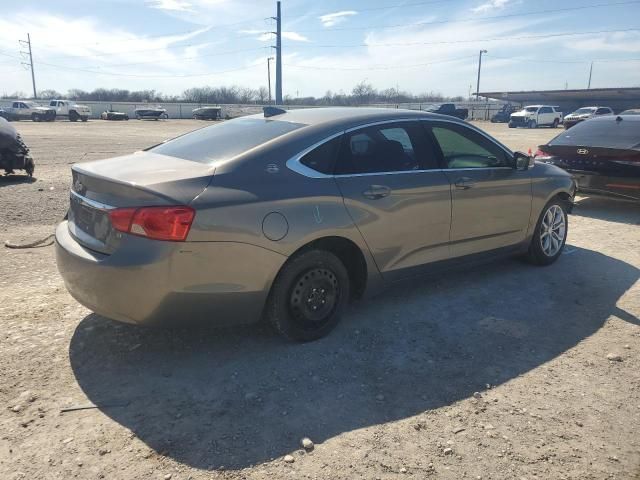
591,182
153,282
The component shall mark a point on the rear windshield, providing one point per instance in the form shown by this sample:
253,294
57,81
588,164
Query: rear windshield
225,140
607,133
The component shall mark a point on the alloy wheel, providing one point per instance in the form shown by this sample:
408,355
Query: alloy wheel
553,230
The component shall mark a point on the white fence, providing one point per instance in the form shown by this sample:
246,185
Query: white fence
477,110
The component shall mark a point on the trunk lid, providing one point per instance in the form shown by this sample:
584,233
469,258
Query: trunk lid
137,180
606,161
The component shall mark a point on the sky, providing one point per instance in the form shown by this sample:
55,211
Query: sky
416,46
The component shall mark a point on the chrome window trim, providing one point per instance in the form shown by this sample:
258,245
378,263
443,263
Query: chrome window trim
295,165
91,203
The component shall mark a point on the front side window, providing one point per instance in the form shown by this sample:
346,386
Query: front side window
531,109
603,111
396,147
464,148
545,110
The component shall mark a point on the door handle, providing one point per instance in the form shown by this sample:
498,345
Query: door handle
465,183
375,192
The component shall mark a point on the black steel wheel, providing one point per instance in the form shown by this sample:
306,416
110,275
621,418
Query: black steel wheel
308,296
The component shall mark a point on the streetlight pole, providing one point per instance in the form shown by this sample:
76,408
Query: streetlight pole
479,67
269,76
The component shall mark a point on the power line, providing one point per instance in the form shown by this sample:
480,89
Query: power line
494,17
475,40
217,54
95,72
383,66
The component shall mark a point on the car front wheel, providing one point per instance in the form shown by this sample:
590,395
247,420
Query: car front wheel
308,296
550,234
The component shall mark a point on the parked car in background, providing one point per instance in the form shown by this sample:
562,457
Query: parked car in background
603,155
29,110
150,112
449,109
113,115
14,154
292,213
70,110
207,113
503,115
534,116
632,111
585,113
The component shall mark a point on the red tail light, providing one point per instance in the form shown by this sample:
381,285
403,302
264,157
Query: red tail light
158,223
541,154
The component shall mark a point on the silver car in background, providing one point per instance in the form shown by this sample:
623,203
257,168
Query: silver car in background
288,215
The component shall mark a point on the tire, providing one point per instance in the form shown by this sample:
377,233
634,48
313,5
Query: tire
73,116
511,125
35,117
311,281
540,252
84,118
30,167
556,122
532,124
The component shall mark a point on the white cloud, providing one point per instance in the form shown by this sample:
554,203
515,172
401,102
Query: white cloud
268,36
295,36
490,5
170,5
332,19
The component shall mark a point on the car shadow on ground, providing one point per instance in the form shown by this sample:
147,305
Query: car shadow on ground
238,397
7,180
609,208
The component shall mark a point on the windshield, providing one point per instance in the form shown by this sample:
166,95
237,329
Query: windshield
581,111
603,132
531,109
225,140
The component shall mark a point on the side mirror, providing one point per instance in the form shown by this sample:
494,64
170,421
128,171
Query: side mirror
523,161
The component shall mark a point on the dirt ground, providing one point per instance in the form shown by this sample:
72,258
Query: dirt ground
499,372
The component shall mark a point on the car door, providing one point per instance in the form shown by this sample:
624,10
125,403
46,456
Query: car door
396,195
491,200
545,116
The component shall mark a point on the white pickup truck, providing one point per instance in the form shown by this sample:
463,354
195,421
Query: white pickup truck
73,111
534,116
28,110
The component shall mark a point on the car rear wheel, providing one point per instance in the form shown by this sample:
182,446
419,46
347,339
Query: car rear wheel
550,234
308,296
73,116
556,122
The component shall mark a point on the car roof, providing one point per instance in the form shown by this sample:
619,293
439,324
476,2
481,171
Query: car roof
351,116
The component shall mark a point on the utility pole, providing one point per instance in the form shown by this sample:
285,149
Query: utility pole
479,67
278,55
269,76
590,72
30,64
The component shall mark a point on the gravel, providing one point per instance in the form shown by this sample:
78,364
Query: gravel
175,400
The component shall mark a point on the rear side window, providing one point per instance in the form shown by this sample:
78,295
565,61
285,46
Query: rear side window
225,140
603,111
602,132
322,159
464,148
394,147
